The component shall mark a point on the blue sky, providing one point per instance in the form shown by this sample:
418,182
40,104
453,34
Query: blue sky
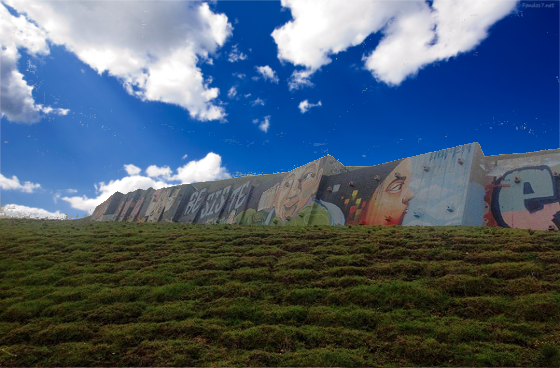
99,97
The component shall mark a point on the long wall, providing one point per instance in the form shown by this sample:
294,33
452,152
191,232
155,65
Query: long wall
455,186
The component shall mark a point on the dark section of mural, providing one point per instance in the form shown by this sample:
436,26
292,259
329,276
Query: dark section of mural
129,205
344,198
111,205
139,215
176,202
455,186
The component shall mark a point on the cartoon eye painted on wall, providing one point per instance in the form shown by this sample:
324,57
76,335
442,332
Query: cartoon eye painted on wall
289,183
395,186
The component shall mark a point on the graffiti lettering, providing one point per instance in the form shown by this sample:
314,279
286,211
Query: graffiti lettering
238,197
212,205
195,201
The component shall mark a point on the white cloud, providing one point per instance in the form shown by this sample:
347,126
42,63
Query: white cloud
14,210
267,73
184,157
300,79
17,102
57,111
72,190
247,95
305,105
232,92
236,55
153,50
132,170
412,43
255,121
153,171
239,75
415,33
258,101
14,184
206,169
265,124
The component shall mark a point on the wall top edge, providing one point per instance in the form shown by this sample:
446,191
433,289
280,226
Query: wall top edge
522,154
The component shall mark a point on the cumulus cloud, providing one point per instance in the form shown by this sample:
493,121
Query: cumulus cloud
153,50
206,169
239,75
14,184
264,125
154,172
132,170
236,55
232,92
415,33
184,157
258,101
247,95
17,102
17,211
305,105
266,73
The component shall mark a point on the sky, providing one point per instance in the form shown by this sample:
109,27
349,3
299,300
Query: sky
106,96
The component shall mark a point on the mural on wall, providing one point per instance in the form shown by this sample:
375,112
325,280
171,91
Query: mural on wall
100,210
214,205
140,204
349,193
389,202
236,204
455,186
129,205
157,206
428,189
283,199
523,193
193,205
440,182
176,202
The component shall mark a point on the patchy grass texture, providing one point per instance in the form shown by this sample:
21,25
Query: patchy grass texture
79,293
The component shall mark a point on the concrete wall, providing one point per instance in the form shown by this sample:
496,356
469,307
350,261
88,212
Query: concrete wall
455,186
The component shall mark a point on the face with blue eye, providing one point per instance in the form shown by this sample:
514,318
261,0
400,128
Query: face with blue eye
389,202
296,189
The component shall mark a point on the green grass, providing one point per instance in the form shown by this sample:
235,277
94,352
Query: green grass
79,293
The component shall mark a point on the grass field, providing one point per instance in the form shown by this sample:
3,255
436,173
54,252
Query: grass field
80,293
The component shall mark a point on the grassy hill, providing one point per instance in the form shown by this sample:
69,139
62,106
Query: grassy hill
81,293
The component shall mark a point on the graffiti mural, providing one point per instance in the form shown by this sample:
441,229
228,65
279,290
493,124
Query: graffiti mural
455,186
526,197
236,204
175,203
140,206
282,200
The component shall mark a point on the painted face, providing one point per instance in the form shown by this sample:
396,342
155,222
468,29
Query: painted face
527,198
296,189
389,202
